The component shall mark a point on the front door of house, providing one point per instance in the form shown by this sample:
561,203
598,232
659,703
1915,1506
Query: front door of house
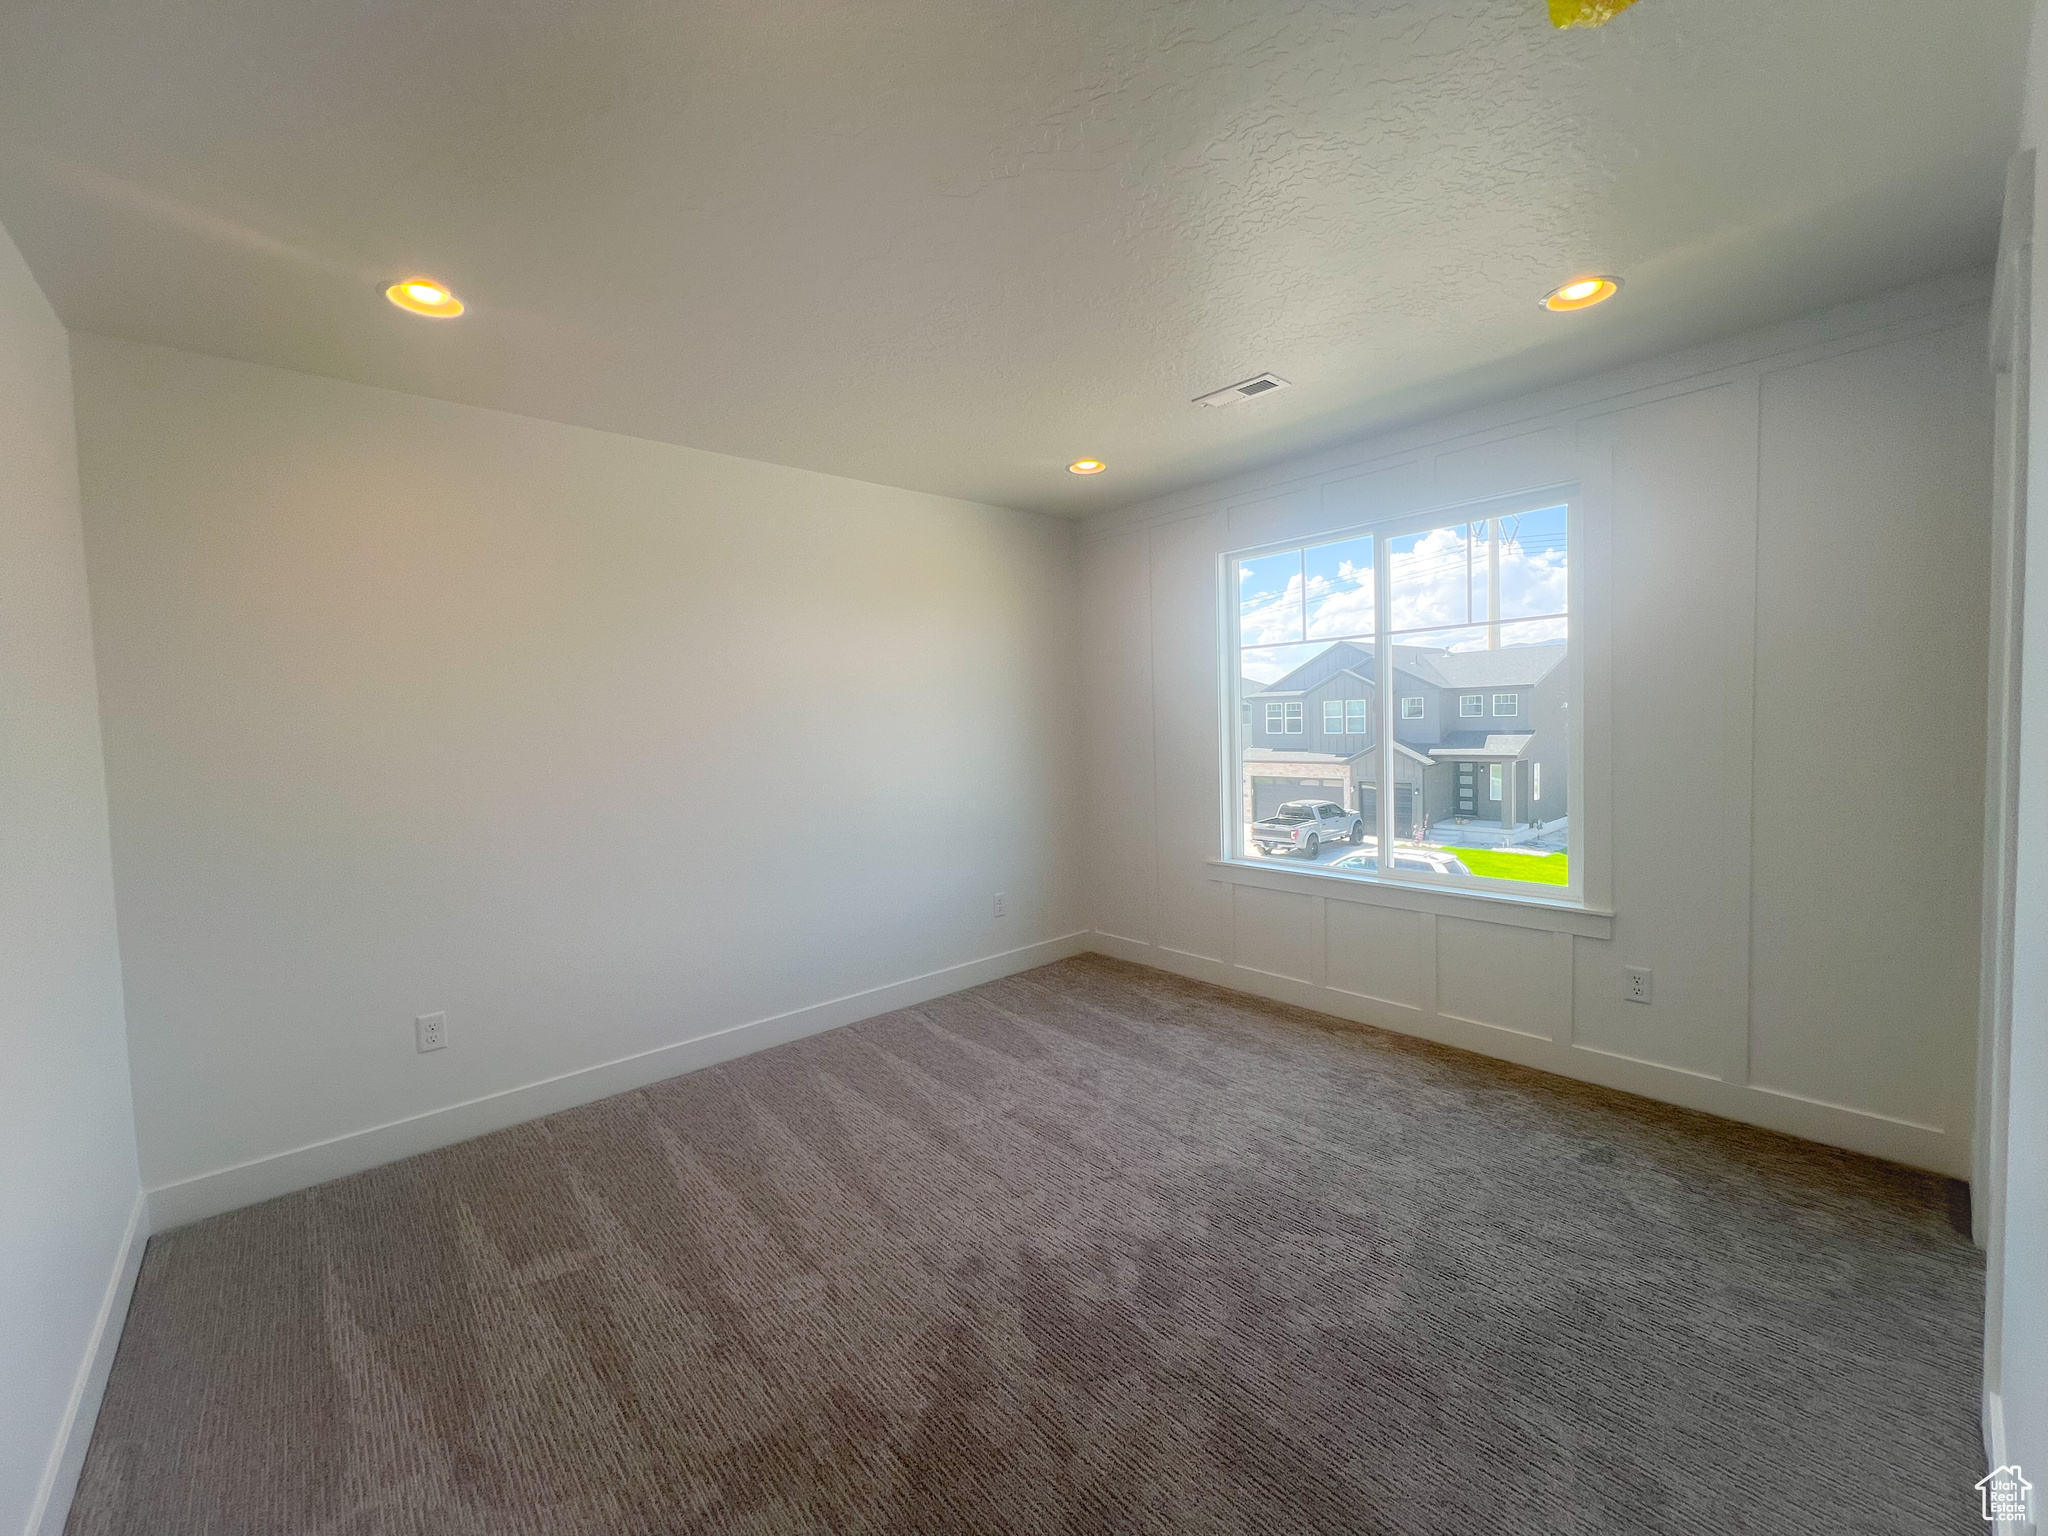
1468,789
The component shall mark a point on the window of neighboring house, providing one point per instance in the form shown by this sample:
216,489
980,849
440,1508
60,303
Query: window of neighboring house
1247,713
1484,599
1535,781
1344,717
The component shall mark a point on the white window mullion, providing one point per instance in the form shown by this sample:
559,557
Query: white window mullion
1383,672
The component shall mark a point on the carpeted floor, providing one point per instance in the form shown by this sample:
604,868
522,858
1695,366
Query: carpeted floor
1089,1249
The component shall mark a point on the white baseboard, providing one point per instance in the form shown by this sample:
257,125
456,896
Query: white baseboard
52,1506
265,1178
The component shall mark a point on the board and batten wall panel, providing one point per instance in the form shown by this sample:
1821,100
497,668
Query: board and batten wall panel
1873,564
1684,549
1790,551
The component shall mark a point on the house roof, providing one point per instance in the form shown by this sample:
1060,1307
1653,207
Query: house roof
1515,666
1500,745
1247,686
1299,755
1292,755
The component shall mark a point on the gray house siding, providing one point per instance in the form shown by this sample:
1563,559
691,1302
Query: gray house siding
1344,673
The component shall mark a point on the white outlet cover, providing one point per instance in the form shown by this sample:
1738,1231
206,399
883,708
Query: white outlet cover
431,1031
1635,983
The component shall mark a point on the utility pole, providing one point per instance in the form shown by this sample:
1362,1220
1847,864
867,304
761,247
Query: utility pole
1493,585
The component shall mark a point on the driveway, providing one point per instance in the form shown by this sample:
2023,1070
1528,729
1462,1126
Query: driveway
1327,853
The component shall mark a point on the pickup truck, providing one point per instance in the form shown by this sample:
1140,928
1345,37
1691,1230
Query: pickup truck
1303,826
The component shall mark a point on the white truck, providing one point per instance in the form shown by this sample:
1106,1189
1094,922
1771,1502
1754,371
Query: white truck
1303,826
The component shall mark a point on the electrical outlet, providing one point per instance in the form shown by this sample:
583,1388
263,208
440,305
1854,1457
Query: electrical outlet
432,1030
1002,905
1635,983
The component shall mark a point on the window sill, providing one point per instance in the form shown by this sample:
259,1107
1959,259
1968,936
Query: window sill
1480,906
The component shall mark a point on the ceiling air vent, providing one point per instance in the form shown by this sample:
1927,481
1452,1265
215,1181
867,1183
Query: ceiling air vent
1243,389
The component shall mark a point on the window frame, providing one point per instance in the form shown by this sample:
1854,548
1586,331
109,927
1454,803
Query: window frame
1421,703
1514,709
1472,714
1587,658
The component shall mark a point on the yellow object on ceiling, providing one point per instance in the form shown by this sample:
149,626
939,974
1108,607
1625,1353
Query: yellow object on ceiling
1586,13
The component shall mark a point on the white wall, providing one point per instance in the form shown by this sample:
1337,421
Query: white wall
601,745
1797,530
70,1232
2016,1327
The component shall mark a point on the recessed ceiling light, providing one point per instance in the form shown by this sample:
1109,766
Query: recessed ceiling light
1086,467
424,296
1581,293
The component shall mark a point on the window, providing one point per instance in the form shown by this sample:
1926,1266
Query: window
1476,603
1344,717
1283,719
1535,781
1247,711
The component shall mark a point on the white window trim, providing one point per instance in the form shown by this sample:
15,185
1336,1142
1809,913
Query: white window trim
1421,703
1472,714
1535,783
1364,726
1514,709
1585,906
1493,781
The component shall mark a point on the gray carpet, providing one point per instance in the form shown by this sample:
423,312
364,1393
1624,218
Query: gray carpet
1089,1249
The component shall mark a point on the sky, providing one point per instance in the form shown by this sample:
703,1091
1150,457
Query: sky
1294,604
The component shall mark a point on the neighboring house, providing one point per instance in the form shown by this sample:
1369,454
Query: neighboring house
1478,735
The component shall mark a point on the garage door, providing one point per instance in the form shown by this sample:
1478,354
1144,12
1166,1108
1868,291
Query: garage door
1404,809
1268,795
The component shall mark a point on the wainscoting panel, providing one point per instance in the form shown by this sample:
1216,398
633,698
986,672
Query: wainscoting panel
1497,976
1378,953
1279,934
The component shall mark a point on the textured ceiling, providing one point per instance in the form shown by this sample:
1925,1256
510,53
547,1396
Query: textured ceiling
953,246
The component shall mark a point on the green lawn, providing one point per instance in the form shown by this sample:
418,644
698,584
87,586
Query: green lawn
1542,868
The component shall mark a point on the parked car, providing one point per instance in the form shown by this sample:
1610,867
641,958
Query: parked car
1431,861
1303,826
